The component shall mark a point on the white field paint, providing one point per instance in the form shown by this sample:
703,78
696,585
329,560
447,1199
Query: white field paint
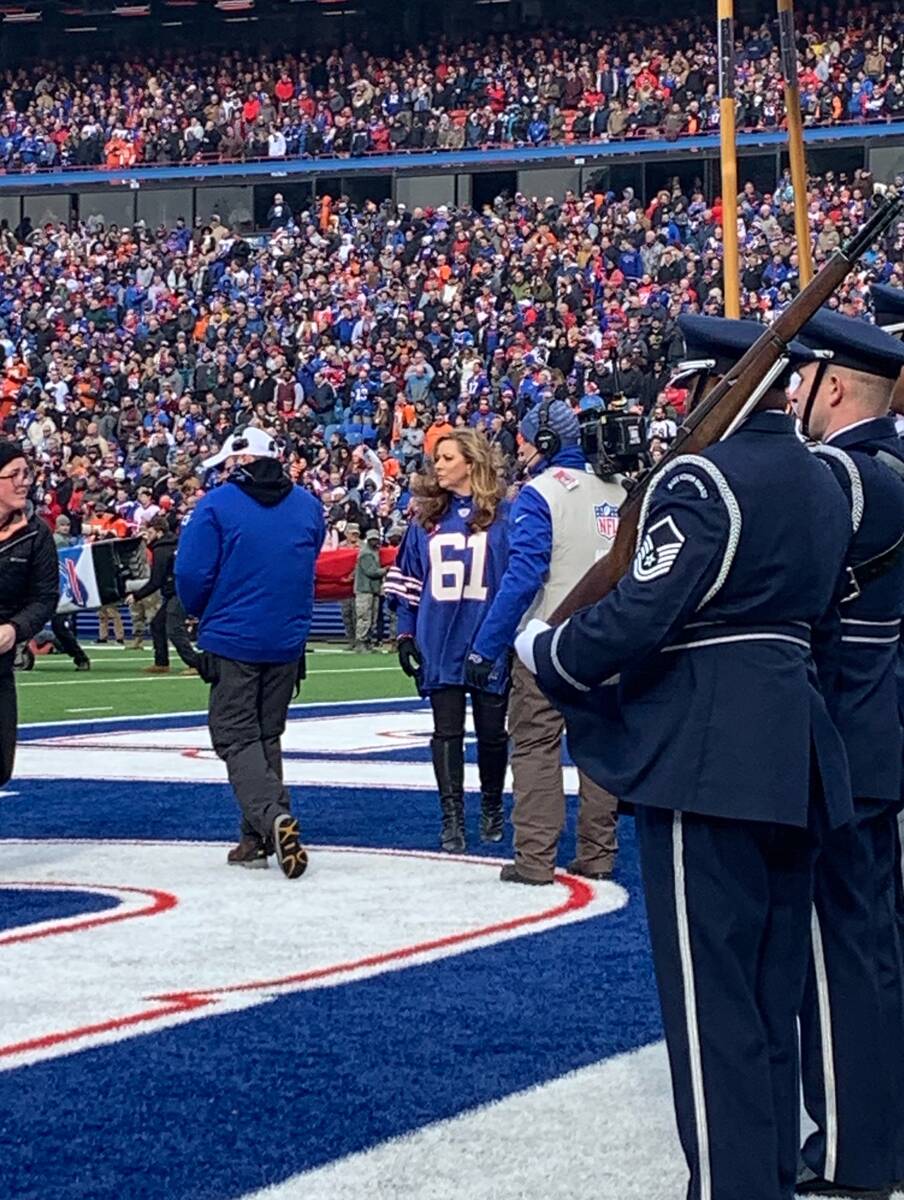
332,749
117,973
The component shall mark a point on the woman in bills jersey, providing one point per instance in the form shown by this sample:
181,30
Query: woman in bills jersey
449,566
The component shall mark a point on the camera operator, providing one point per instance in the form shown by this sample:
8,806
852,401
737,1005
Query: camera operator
564,519
29,585
168,622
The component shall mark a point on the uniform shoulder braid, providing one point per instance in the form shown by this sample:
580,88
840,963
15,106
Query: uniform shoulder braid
846,471
693,480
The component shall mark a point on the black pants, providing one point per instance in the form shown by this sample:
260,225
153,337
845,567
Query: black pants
249,703
490,710
168,625
66,633
729,906
9,715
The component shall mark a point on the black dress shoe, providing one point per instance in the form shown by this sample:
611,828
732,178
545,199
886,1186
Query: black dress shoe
511,874
810,1184
577,868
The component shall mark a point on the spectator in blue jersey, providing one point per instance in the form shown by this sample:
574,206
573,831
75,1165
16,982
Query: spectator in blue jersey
449,567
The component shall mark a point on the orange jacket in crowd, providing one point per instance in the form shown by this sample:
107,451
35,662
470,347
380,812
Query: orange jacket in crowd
119,152
104,525
433,435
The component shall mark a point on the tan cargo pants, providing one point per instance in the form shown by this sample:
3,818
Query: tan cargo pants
536,729
143,612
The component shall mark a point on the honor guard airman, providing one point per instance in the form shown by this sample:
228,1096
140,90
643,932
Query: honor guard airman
852,1022
888,307
690,691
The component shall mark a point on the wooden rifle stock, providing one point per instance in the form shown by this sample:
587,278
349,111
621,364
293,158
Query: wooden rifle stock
725,404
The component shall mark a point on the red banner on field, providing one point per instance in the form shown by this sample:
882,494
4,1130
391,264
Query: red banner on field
336,571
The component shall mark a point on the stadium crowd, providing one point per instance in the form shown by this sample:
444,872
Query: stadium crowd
632,81
358,337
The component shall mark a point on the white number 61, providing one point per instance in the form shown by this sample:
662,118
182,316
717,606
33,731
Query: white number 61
449,578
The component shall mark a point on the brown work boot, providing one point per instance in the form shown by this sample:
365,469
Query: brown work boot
138,644
576,867
511,874
250,852
155,670
290,854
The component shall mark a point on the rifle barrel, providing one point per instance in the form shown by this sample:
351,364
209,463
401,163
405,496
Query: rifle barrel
715,414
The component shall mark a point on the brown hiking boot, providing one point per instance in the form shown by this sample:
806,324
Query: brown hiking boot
290,854
250,852
155,670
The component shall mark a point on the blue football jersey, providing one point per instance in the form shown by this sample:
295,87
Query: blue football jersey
441,586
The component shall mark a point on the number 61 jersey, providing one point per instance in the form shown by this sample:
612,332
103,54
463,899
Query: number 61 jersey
441,586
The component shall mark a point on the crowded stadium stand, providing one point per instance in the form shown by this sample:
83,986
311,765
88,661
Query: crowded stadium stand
497,90
360,315
359,334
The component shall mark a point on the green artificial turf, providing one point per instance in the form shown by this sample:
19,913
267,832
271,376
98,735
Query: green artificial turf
117,686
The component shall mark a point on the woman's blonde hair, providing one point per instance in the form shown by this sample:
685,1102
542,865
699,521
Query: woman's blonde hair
488,488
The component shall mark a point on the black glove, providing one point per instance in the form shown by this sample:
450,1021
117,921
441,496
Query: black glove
410,657
208,667
478,670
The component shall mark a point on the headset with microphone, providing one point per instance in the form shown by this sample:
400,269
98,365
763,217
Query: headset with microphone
547,441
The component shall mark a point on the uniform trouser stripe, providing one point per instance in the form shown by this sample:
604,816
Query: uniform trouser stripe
826,1044
690,1008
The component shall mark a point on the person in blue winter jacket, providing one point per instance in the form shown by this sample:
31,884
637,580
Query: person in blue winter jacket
245,567
564,519
449,568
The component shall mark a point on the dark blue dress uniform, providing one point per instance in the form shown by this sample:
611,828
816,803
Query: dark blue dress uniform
888,307
852,1021
691,692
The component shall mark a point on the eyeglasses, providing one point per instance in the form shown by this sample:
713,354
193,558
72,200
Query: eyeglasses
20,476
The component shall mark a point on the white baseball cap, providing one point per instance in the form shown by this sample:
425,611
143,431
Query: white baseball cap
251,441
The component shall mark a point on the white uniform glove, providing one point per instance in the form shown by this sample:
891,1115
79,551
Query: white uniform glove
524,643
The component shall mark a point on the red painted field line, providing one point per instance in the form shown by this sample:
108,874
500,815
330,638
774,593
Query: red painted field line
160,902
112,1026
175,1003
580,896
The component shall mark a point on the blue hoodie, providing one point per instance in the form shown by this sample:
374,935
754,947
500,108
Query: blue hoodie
245,565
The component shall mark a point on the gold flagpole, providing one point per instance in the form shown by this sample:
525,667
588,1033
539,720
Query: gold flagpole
730,262
797,154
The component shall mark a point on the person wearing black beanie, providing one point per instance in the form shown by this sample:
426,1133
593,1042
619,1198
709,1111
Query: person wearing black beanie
29,585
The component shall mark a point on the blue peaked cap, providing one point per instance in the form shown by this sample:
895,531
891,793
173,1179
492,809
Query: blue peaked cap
854,344
888,304
726,340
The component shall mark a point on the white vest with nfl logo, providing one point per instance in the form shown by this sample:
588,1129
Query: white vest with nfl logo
584,511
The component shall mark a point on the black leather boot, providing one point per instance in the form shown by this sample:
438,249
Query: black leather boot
492,760
491,818
449,768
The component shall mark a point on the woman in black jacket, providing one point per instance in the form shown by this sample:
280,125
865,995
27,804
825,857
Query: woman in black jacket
29,585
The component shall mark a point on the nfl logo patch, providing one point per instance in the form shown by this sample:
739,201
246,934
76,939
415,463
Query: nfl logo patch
606,520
